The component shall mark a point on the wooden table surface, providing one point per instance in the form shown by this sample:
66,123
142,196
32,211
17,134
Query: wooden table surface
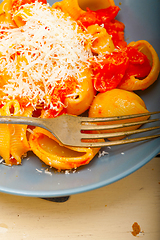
124,210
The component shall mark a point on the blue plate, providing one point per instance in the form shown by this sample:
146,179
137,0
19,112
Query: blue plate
32,179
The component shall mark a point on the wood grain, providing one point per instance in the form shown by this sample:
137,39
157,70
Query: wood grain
110,212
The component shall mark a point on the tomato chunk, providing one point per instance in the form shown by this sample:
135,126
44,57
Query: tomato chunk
98,17
110,71
139,65
116,28
57,97
106,17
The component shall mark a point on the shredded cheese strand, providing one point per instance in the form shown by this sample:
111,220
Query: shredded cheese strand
47,49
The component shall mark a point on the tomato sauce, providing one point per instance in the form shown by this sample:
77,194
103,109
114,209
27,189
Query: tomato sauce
58,96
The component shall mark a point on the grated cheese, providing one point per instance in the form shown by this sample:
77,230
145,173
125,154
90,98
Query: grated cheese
102,153
48,48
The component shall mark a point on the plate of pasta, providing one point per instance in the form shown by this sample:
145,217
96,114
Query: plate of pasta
97,58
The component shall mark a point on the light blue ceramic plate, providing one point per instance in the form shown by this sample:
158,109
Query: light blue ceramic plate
141,18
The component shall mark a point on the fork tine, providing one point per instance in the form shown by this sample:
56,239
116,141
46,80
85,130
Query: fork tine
115,126
106,119
118,142
116,134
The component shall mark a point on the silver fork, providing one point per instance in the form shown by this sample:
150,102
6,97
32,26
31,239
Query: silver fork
71,130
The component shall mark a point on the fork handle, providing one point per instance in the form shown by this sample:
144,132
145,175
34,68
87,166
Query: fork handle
22,120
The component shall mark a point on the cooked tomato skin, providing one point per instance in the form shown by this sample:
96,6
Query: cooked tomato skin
138,66
119,66
109,73
99,17
106,17
57,98
116,28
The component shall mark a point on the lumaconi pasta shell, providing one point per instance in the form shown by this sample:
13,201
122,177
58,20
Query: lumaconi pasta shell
94,4
69,6
20,15
118,102
5,6
5,136
5,143
103,42
13,138
5,15
54,154
133,83
19,142
84,96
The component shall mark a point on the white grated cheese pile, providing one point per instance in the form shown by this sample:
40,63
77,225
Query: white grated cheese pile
48,48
